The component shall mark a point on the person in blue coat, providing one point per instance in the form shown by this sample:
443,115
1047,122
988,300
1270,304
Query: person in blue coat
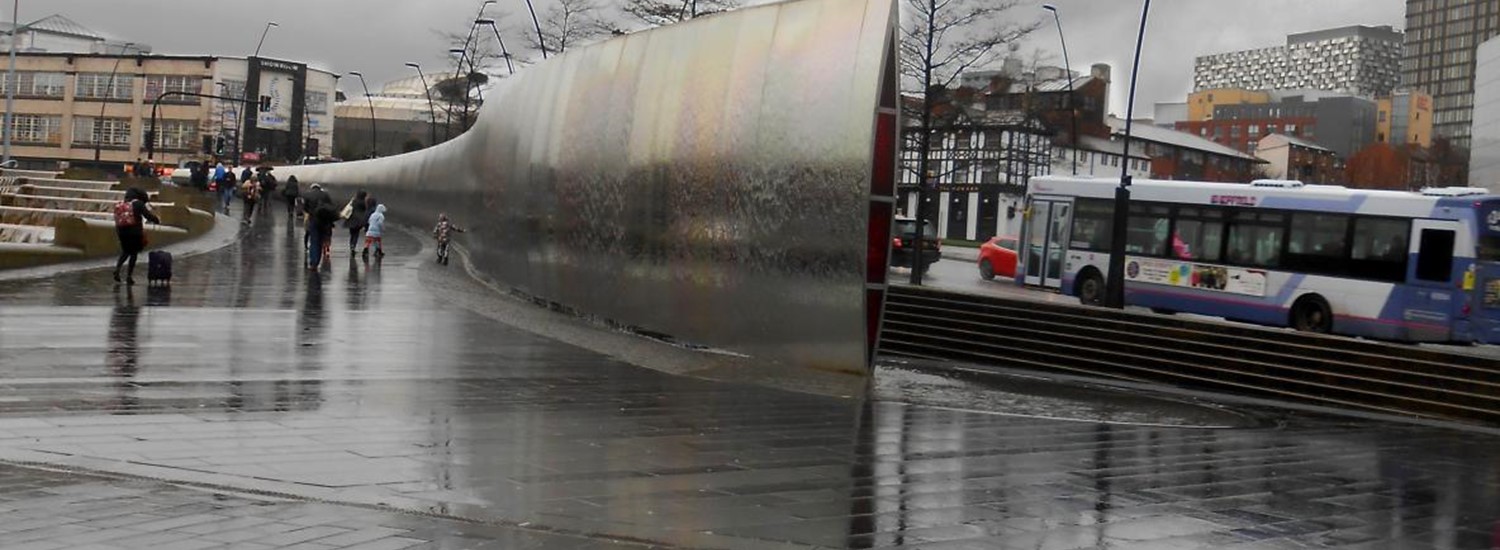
374,229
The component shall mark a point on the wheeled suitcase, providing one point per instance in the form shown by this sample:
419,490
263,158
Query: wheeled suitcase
159,267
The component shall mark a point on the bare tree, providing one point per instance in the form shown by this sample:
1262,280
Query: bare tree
459,90
657,13
568,23
940,39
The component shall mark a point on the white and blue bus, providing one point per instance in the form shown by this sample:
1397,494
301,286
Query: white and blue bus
1393,265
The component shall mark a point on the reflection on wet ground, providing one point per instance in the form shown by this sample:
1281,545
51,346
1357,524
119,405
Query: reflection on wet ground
359,391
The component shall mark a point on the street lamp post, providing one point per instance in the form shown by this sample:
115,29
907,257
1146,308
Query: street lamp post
110,89
263,33
1114,290
540,42
431,111
374,151
463,54
1072,109
503,52
10,77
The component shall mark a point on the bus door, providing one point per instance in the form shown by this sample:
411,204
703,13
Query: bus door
1434,290
1046,240
1485,282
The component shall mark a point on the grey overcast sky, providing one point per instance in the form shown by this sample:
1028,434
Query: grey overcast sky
377,36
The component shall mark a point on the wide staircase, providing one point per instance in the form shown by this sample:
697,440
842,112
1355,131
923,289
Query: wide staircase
47,219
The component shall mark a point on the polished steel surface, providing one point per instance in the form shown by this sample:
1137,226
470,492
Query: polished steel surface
709,180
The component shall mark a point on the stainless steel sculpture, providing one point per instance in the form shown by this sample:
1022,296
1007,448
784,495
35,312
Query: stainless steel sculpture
727,180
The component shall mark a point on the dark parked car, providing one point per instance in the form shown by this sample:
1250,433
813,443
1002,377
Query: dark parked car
903,242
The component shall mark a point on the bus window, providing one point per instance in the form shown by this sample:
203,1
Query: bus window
1147,231
1200,234
1379,249
1255,239
1435,259
1380,239
1092,219
1319,235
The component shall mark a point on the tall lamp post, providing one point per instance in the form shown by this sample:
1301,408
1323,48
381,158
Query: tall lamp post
540,42
110,89
10,77
1114,290
1072,110
263,34
431,111
463,53
374,151
503,52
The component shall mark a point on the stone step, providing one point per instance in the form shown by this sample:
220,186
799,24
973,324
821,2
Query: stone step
15,173
68,192
58,203
25,234
44,216
70,184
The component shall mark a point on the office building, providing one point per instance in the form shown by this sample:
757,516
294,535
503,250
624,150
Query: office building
1341,123
80,102
1441,39
1357,60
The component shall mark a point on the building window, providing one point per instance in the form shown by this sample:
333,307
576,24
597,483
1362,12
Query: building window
104,86
1254,130
1382,116
37,129
177,135
156,85
36,84
317,103
1234,132
1291,129
113,132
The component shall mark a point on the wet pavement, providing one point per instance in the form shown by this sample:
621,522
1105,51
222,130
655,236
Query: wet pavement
255,405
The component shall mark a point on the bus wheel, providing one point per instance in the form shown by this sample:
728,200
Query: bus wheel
1090,289
1312,314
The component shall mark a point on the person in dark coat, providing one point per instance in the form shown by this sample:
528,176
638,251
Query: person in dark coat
198,177
290,191
359,216
131,215
321,217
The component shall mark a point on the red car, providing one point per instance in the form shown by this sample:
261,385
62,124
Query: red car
997,257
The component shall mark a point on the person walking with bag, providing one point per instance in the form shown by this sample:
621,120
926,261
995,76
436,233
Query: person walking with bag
356,217
131,213
250,192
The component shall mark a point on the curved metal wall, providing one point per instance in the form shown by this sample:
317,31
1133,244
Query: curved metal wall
710,180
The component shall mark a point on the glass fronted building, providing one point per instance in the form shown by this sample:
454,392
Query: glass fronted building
1439,58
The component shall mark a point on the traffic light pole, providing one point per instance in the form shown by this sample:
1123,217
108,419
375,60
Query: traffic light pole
156,106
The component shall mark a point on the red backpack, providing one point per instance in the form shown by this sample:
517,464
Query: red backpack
125,214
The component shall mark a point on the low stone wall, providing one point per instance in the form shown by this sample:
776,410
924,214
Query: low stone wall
17,255
97,238
77,238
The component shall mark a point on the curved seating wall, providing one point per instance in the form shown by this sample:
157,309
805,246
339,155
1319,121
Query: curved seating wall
711,180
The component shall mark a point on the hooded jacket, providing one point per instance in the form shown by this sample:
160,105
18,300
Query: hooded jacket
377,222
